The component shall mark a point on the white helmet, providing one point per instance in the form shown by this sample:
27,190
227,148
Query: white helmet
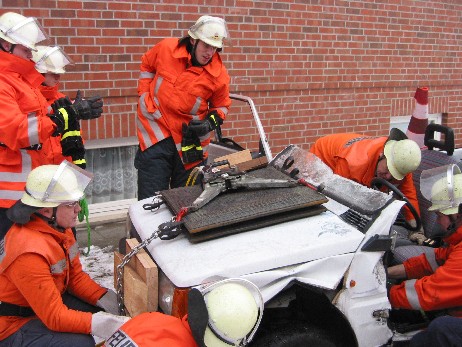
20,30
52,185
211,30
51,59
443,187
402,156
225,313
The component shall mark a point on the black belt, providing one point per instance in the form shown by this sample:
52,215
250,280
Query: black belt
7,309
36,147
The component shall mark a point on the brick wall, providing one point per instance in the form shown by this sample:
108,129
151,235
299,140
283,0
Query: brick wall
312,67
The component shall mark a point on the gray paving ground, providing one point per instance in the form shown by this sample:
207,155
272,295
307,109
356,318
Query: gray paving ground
102,235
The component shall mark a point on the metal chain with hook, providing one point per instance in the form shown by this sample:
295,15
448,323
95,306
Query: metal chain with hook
166,231
120,270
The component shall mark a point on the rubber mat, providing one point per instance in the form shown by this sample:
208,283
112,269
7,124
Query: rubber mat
242,210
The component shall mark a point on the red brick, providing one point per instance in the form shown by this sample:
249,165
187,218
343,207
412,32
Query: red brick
329,66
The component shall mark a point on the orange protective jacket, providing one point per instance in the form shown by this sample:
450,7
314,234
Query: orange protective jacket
434,280
23,123
355,157
173,92
37,265
51,94
153,329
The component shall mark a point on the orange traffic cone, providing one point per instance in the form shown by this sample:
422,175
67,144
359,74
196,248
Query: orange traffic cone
419,119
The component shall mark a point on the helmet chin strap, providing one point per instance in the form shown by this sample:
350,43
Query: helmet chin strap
456,222
52,220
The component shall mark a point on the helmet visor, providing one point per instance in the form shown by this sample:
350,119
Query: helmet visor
67,185
311,168
28,33
437,185
53,60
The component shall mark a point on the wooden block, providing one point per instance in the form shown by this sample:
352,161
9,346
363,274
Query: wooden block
253,164
236,158
140,281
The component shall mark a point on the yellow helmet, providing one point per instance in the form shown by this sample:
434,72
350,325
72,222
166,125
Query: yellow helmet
443,187
20,30
52,185
225,313
51,59
211,30
402,157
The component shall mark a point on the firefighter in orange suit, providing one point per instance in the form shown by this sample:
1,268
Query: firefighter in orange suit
221,314
27,123
183,95
46,298
433,279
51,62
362,158
24,126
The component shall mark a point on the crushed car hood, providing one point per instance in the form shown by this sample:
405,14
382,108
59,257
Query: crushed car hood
274,247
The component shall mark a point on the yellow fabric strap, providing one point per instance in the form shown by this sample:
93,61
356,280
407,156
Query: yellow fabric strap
187,148
70,133
79,161
212,116
65,117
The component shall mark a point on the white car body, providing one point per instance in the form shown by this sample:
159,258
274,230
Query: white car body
322,252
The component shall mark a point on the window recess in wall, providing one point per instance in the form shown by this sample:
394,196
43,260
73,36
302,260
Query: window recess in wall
111,162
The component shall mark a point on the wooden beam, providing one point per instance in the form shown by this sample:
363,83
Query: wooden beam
140,281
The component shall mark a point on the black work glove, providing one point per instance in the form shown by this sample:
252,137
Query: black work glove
86,109
64,118
71,139
78,156
203,127
61,103
72,146
191,146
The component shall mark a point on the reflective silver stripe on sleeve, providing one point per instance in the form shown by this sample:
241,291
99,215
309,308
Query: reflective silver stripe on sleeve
21,176
157,86
144,134
73,251
32,128
146,74
59,267
196,106
144,109
120,339
11,194
431,258
156,90
224,110
411,294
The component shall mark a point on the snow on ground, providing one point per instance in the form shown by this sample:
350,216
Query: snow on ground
99,264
